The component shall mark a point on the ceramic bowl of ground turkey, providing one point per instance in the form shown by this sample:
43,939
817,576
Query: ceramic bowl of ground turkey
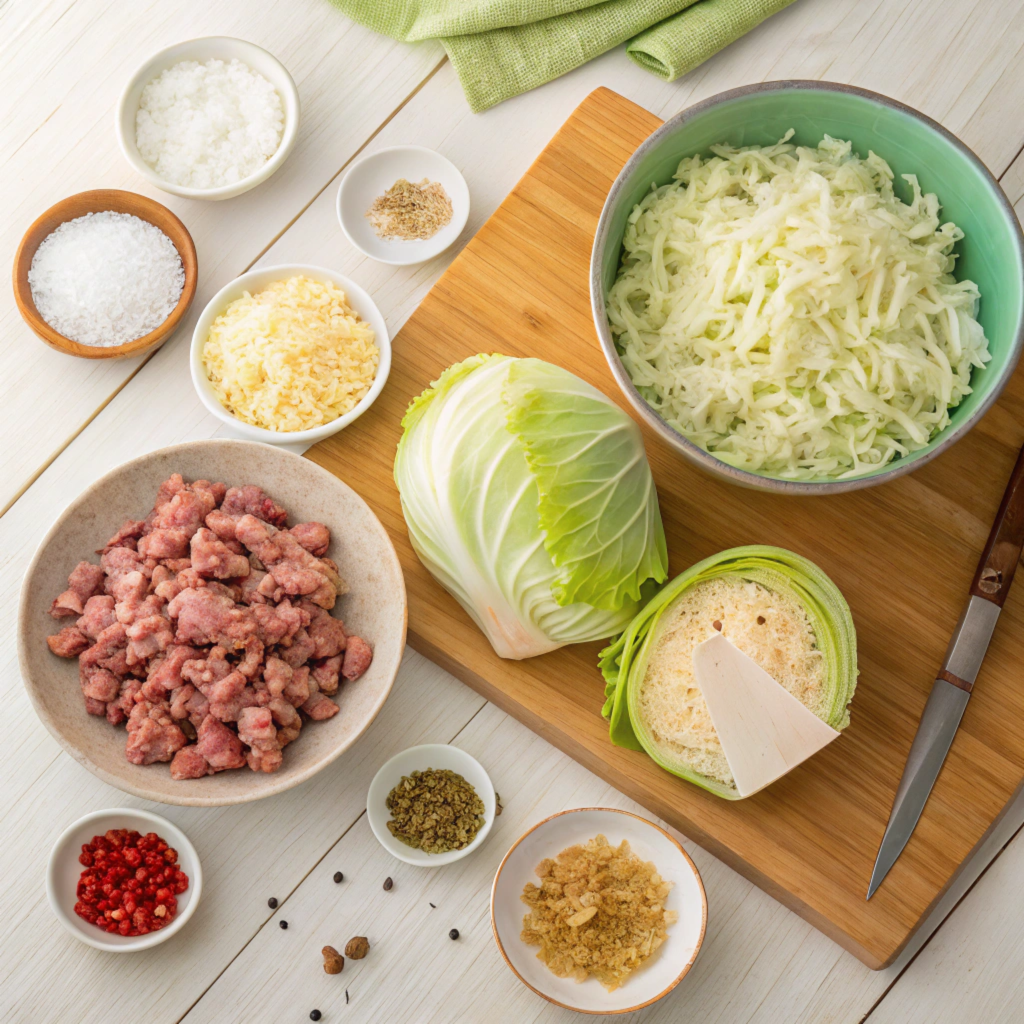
368,602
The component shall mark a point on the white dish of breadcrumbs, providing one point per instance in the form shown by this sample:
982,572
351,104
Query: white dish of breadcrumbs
598,910
403,205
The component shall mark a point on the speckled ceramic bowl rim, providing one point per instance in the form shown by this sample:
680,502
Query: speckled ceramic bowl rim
168,831
686,967
279,785
678,441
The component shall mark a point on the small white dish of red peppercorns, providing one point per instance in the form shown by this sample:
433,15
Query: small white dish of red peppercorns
123,879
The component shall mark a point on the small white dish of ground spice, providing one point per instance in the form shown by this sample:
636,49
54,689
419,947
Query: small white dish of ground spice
403,205
431,805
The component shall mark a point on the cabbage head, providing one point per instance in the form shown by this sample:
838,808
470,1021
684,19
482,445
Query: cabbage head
528,496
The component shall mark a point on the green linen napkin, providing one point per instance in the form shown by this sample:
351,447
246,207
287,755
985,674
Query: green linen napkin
501,48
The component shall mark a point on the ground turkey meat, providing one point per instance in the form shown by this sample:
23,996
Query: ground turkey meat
210,614
152,734
212,557
251,500
294,569
314,537
85,580
69,642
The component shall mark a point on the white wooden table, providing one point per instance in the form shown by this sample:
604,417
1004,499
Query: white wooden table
63,422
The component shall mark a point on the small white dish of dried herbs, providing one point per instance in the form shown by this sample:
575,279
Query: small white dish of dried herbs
403,205
431,805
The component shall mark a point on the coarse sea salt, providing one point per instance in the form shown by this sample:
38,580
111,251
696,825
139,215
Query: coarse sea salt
208,125
106,278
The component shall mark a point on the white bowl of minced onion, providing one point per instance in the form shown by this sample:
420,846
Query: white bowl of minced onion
196,122
268,352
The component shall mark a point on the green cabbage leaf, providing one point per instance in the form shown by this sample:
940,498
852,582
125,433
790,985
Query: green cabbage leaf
528,496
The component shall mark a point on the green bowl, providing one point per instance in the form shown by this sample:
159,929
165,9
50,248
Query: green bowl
991,253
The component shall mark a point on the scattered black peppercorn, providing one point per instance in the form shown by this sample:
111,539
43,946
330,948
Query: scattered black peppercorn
272,903
315,1015
388,883
283,924
338,876
433,906
454,933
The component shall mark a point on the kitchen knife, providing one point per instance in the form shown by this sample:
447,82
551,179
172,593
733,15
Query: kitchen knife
952,687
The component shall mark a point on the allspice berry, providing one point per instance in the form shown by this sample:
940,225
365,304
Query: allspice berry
357,948
333,960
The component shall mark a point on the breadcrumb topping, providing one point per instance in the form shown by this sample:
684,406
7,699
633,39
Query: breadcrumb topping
599,910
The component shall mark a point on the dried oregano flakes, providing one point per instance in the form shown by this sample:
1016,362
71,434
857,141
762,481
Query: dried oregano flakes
435,810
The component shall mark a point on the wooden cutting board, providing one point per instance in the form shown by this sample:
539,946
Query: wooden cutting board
902,553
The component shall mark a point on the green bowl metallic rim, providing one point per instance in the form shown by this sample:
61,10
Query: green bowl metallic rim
680,442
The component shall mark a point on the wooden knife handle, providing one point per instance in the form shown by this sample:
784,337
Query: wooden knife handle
1003,548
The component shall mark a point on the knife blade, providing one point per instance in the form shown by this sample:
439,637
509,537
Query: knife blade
955,680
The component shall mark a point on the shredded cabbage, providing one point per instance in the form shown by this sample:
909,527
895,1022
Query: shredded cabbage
782,308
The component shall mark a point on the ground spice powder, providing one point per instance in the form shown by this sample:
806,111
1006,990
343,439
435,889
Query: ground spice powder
410,211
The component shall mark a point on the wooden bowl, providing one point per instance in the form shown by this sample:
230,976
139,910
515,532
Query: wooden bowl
374,608
98,201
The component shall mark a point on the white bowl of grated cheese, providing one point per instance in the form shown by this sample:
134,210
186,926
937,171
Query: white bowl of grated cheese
274,353
212,126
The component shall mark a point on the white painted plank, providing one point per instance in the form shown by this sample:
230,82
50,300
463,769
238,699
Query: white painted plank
248,853
62,68
973,969
1013,185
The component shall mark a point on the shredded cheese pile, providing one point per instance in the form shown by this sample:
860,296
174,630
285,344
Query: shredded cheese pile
782,308
292,356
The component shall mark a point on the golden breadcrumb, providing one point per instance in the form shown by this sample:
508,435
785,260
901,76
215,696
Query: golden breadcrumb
599,910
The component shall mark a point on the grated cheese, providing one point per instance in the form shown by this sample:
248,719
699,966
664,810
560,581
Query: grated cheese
782,308
783,644
291,356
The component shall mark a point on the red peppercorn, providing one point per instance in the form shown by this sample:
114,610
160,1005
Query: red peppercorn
126,877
